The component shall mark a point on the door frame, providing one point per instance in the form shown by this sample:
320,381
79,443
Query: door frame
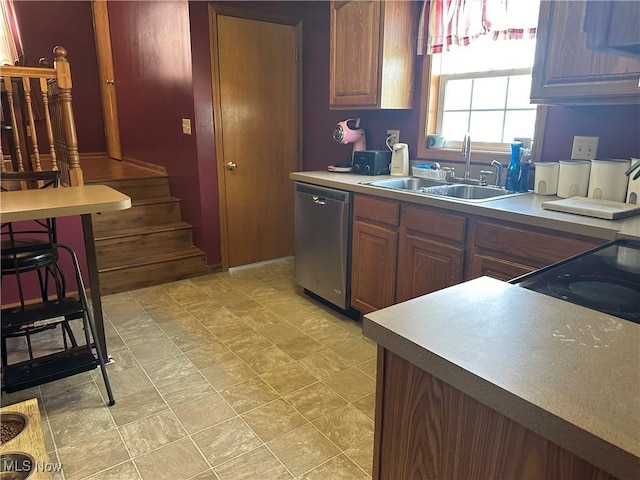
104,52
214,11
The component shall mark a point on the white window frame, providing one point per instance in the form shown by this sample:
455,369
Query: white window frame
457,143
482,153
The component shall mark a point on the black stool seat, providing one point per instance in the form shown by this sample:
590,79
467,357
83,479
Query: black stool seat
27,254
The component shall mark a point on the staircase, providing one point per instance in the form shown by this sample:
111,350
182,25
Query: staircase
145,245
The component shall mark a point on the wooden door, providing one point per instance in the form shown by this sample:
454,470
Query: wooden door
500,268
565,71
107,78
425,266
256,72
373,267
355,50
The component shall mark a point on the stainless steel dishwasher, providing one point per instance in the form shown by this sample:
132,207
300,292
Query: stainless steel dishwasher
323,242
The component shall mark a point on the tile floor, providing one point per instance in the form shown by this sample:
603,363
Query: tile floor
235,375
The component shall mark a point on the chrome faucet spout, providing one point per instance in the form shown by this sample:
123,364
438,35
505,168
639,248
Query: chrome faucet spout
466,154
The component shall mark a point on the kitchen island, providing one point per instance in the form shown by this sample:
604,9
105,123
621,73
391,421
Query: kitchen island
489,380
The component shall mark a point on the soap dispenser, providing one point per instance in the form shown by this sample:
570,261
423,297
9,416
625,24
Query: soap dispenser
400,160
513,170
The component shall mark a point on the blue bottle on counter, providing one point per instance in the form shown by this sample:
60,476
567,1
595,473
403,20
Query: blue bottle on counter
513,170
525,165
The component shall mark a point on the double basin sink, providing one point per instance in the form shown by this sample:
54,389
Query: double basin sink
425,186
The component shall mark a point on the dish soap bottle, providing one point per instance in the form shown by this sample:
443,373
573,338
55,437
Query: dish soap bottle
513,170
525,166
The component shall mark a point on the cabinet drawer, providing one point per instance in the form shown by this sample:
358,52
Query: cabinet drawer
434,222
536,248
375,209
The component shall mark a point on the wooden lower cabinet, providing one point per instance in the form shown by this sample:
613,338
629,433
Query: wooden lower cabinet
430,252
402,250
500,268
427,429
374,250
504,250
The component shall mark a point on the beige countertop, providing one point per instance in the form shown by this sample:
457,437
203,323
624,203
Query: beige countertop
568,373
524,209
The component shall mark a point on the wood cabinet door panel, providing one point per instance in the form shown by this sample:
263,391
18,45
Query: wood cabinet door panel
373,266
425,266
565,71
500,268
378,210
355,48
529,246
434,222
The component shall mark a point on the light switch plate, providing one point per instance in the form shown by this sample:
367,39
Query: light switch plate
584,148
186,126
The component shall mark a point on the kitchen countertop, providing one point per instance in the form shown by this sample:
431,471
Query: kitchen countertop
524,209
568,373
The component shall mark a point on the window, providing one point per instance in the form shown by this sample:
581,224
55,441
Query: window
483,90
481,87
10,46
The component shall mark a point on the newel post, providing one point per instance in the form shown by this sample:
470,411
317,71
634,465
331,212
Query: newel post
61,64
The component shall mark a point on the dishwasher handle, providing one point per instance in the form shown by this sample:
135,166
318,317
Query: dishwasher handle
319,200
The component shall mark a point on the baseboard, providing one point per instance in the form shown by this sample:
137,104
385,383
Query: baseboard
150,166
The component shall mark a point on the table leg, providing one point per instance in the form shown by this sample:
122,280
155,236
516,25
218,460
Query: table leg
94,281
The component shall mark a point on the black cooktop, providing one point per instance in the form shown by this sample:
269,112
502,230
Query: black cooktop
606,279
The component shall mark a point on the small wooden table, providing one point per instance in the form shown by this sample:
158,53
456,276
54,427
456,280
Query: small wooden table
64,202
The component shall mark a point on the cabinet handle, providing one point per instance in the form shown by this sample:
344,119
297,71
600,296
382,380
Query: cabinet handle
232,165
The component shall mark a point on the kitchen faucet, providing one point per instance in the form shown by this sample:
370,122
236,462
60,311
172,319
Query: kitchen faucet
466,154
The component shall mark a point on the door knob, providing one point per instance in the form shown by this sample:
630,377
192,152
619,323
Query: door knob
231,165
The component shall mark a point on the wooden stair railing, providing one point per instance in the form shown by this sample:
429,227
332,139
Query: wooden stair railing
19,116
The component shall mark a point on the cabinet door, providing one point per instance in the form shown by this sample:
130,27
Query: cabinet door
499,268
373,267
355,49
566,72
425,266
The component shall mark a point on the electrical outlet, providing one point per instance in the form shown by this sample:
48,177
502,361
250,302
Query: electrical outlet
584,148
186,126
395,134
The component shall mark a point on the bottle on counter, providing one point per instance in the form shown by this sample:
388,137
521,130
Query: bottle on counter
513,170
525,167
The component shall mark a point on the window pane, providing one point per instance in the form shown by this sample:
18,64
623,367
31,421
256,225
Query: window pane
520,123
486,126
519,90
455,125
489,93
457,95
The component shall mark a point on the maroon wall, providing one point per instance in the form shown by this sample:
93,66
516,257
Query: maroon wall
152,62
43,25
617,127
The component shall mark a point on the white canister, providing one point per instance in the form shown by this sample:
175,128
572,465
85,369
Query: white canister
607,180
633,190
573,178
546,178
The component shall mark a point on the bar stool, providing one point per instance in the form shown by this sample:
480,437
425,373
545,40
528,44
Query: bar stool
33,248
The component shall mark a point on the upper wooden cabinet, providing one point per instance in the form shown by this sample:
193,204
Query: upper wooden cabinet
373,48
613,27
566,72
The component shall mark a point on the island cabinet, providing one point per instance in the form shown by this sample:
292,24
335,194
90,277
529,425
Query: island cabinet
427,429
431,251
374,250
372,54
565,71
504,250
